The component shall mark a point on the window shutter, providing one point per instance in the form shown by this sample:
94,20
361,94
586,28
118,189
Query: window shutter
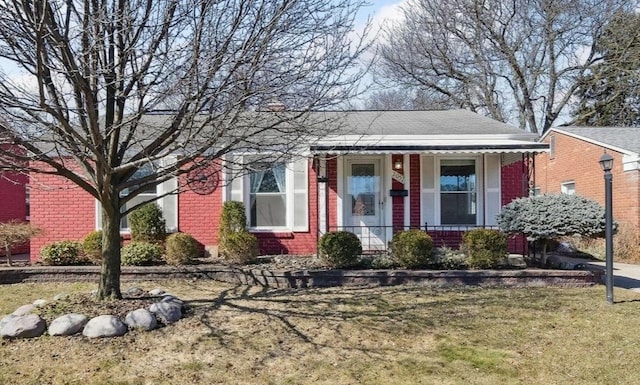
169,203
235,174
428,191
492,188
300,195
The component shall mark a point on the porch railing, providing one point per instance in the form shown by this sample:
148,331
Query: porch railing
377,238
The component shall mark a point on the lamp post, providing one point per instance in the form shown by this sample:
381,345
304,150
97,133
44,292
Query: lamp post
606,162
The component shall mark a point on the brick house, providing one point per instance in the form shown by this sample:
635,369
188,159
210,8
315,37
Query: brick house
442,171
571,166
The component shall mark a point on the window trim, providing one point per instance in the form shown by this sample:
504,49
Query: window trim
478,188
564,187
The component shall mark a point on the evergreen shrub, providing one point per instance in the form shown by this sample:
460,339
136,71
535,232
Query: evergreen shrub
412,249
180,249
63,253
141,254
339,249
484,248
240,248
147,224
92,246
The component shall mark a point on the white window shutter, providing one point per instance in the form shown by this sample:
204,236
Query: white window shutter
169,203
300,205
234,172
428,191
492,188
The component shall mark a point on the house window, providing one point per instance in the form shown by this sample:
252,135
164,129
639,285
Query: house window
568,188
168,203
536,192
146,195
268,195
552,147
458,192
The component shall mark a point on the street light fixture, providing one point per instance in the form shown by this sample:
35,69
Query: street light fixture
606,162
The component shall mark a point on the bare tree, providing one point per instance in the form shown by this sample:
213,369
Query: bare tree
609,95
407,99
92,74
14,233
517,60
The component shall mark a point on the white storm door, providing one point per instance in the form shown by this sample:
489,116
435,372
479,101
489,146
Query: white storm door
364,209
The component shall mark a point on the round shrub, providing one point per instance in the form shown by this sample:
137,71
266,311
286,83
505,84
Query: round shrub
484,248
63,253
412,249
340,249
141,254
180,249
240,247
233,219
92,246
147,224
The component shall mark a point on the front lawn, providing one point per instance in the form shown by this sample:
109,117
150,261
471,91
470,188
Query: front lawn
392,335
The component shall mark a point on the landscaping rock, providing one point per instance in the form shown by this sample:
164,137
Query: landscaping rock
68,324
135,292
141,319
24,326
156,292
104,326
172,299
6,319
39,302
167,312
24,309
60,296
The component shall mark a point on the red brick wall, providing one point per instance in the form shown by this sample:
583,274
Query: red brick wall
13,202
577,160
199,215
514,185
397,203
414,190
63,210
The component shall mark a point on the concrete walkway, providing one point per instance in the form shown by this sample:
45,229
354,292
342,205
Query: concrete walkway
625,275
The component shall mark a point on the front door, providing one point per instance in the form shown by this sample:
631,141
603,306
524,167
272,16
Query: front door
364,202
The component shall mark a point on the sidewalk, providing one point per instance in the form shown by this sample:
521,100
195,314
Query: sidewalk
625,275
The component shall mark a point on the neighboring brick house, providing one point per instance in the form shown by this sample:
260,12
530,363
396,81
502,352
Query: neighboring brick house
571,166
448,171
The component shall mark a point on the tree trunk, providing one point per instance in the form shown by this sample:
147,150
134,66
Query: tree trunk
109,286
8,253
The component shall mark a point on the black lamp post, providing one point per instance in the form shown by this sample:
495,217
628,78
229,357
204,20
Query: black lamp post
606,162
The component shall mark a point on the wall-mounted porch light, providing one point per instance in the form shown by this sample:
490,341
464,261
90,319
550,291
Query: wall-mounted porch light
397,165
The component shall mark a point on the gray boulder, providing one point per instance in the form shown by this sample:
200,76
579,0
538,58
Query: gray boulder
104,326
39,302
4,320
141,319
172,299
68,324
24,309
23,326
156,292
135,292
167,312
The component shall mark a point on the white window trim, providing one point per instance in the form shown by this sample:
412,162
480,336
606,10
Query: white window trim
289,196
568,187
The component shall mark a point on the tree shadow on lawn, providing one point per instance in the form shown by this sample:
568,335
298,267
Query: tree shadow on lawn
393,311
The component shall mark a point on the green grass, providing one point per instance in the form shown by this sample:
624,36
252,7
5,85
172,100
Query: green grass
394,335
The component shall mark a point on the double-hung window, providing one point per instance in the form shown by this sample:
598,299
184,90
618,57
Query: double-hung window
458,192
275,193
268,196
168,203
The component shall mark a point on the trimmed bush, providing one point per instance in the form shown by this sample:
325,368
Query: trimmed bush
141,254
339,249
180,249
147,224
233,219
484,248
412,249
240,247
450,259
63,253
92,246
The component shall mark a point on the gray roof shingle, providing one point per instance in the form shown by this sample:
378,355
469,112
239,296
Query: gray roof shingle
622,138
